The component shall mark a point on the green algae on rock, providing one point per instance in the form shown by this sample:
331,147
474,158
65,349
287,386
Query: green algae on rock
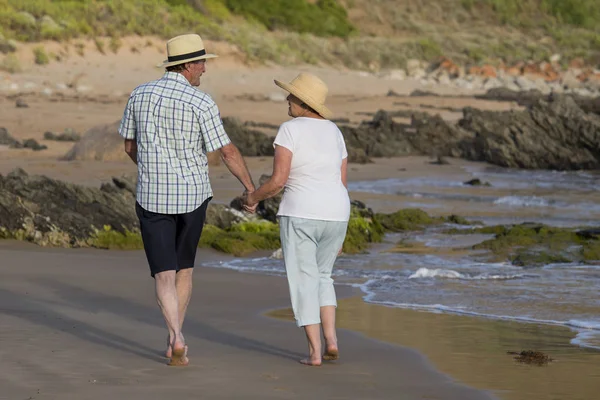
537,244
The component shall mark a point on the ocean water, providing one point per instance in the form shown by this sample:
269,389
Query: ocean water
444,282
555,198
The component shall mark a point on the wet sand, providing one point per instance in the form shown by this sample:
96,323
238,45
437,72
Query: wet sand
83,324
474,350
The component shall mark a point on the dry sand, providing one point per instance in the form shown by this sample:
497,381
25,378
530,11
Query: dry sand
83,324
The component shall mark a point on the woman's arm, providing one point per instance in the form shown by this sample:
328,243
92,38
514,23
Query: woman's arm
282,163
345,172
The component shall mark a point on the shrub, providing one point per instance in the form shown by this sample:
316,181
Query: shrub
323,18
41,58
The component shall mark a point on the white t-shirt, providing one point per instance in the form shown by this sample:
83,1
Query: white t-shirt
314,189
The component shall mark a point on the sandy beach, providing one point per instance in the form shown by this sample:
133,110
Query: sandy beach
83,324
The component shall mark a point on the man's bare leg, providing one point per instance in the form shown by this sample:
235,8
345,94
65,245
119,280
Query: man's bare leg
328,323
166,296
313,334
183,284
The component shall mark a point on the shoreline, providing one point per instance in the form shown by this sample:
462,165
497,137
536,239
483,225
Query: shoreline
474,350
54,311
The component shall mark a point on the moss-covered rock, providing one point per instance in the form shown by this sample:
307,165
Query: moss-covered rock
364,228
408,219
537,244
107,238
241,239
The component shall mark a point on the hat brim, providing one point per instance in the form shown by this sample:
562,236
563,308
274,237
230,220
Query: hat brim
321,109
166,63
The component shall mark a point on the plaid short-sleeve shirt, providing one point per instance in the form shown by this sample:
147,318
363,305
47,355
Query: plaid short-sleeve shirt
174,125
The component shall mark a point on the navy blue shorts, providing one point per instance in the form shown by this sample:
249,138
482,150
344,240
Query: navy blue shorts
171,240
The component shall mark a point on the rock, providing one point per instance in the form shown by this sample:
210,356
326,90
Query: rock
20,103
33,204
33,145
395,74
514,138
277,254
358,156
555,58
224,217
532,97
7,140
525,83
250,142
491,83
380,137
476,182
591,233
412,65
444,79
569,79
423,93
531,357
266,209
277,97
54,213
101,143
69,135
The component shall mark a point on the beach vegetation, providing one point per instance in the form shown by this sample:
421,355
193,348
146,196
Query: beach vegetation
10,63
100,45
110,239
240,241
40,55
385,34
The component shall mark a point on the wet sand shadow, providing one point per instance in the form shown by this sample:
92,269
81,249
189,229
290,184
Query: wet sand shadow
86,300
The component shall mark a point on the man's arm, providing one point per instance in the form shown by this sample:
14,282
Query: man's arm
234,161
131,149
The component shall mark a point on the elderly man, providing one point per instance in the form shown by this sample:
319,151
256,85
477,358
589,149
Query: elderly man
169,126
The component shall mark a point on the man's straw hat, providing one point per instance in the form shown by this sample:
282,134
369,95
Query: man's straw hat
311,90
185,48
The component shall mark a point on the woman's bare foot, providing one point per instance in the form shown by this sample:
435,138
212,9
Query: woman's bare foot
331,352
311,362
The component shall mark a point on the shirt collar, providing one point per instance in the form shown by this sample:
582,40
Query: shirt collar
175,76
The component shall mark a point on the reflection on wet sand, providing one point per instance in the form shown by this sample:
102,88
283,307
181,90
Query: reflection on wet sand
474,350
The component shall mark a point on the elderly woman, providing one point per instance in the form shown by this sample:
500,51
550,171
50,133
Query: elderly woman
310,162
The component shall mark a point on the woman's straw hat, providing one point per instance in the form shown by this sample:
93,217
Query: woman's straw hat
311,90
185,48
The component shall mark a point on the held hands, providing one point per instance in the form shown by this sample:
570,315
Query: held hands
250,204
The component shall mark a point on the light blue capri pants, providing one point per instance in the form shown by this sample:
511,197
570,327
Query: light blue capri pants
310,248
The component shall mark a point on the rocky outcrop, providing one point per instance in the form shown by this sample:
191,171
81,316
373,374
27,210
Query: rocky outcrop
380,137
550,135
530,98
55,213
101,143
251,142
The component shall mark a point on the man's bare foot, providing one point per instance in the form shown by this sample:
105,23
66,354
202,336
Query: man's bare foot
311,362
169,351
179,357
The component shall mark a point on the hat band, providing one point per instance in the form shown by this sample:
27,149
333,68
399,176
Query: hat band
187,56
